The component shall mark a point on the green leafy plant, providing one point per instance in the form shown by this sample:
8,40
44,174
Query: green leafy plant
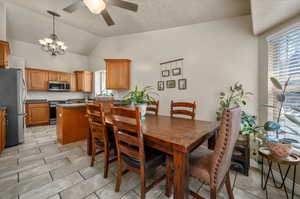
235,96
143,96
248,124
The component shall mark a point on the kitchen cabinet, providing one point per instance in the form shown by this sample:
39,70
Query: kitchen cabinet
84,81
37,114
73,83
118,74
2,130
37,80
4,53
59,76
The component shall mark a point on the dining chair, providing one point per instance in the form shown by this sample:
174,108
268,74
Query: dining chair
99,136
132,153
211,167
183,108
153,107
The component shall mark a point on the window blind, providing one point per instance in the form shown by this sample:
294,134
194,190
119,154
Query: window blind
284,63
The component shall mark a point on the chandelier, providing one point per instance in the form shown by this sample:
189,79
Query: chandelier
53,45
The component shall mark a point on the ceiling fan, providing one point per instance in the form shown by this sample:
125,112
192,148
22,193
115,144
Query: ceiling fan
99,7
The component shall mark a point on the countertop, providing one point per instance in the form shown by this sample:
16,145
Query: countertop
32,101
72,105
2,108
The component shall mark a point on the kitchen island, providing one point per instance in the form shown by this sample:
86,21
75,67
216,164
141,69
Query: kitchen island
72,124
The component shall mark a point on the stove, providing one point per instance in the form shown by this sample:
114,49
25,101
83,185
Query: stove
52,112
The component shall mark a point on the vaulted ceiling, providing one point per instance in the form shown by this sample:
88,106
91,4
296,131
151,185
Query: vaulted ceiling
28,21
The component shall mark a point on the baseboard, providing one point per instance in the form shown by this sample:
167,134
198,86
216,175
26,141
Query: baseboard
288,182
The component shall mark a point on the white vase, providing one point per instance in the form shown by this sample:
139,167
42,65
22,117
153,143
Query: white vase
143,108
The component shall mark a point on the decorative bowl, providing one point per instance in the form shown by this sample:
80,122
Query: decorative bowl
282,150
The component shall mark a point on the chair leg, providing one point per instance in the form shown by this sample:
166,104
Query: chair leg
228,186
93,152
213,193
169,177
106,161
143,186
119,176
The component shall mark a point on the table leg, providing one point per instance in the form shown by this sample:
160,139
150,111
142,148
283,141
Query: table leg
181,175
294,179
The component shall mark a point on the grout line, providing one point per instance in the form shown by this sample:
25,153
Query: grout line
81,175
51,176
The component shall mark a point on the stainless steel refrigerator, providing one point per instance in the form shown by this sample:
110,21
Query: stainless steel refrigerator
12,91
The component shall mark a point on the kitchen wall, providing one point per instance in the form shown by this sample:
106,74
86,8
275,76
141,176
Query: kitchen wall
216,55
2,21
34,57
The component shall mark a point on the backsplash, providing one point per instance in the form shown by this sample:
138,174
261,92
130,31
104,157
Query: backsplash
55,95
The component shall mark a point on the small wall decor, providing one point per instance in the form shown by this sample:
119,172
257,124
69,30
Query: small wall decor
160,85
165,73
176,71
171,84
171,72
182,84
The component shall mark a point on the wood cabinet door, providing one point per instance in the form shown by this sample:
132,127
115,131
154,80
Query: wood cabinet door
118,74
4,53
38,114
65,77
53,76
88,82
80,80
37,80
73,83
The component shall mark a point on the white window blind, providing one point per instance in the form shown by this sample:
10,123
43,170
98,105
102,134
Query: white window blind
284,62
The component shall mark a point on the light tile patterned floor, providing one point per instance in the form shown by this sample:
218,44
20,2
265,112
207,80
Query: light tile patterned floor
41,168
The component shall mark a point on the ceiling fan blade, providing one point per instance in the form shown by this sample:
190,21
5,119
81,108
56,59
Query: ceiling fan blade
107,18
124,4
74,6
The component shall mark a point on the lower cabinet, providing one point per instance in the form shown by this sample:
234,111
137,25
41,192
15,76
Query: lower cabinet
2,130
37,114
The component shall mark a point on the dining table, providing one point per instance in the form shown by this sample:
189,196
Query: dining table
177,137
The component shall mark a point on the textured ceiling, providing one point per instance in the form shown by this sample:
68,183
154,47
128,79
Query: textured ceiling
269,13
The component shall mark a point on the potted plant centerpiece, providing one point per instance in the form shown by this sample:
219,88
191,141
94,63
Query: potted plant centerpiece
140,98
281,147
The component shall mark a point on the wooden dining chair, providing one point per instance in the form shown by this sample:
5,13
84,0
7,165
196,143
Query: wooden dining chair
153,107
99,136
132,153
183,108
211,167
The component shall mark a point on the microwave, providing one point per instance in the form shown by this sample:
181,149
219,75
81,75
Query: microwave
58,86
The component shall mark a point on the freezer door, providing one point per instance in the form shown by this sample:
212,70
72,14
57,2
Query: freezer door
21,103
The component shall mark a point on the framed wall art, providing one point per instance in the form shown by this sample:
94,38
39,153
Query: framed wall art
171,84
182,84
176,71
160,85
165,73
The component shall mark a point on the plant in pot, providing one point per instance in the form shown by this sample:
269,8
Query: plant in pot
140,98
281,147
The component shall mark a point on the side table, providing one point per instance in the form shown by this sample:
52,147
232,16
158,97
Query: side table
290,161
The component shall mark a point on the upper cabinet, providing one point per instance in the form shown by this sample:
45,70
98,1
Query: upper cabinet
59,76
73,83
4,53
37,80
84,81
118,74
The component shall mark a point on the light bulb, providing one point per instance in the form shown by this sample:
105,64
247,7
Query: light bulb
95,6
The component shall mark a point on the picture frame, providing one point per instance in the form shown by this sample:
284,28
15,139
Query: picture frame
182,84
171,84
176,71
160,85
165,73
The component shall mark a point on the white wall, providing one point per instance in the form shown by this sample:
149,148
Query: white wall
2,21
35,58
217,54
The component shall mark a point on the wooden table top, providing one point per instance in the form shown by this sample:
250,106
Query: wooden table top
181,134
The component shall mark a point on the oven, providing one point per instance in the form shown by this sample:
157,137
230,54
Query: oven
52,110
58,86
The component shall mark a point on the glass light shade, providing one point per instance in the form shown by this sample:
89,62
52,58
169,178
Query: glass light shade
95,6
48,40
64,47
60,43
42,42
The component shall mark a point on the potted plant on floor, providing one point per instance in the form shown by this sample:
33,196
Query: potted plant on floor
140,98
281,147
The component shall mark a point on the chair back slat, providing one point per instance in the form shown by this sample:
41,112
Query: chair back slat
153,107
183,108
128,133
226,140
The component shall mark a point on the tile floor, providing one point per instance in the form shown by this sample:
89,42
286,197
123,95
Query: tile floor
41,168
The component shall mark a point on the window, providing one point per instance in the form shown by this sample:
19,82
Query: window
100,83
284,62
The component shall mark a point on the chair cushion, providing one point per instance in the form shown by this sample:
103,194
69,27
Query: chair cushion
200,164
153,157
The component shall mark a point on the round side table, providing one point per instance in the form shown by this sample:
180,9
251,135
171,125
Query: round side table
291,161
